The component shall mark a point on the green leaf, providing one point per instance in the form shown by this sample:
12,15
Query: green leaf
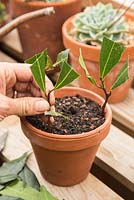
38,69
49,65
34,58
56,114
110,55
8,198
62,57
121,77
45,195
81,61
1,187
12,168
20,190
67,75
6,178
29,178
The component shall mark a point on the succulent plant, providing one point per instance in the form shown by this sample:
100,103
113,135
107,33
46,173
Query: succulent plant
91,25
2,12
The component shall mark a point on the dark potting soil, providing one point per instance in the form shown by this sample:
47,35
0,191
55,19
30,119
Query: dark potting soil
83,115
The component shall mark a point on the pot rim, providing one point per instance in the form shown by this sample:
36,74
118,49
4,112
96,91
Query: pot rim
108,116
89,49
40,3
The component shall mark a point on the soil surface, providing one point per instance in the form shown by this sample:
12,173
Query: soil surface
83,115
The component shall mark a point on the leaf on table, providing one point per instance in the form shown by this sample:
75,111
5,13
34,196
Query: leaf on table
20,190
45,195
12,168
81,61
6,178
56,114
121,77
62,57
67,75
8,198
2,186
29,178
110,55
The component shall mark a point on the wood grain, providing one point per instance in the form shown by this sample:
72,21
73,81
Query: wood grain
123,112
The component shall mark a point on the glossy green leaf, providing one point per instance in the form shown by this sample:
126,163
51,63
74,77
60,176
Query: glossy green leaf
56,114
67,75
20,190
121,77
62,57
81,61
29,178
45,195
38,70
12,168
34,58
110,55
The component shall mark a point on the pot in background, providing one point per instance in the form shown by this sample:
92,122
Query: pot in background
44,32
91,58
65,160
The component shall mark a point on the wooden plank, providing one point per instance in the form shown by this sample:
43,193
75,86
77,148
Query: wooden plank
12,41
5,58
115,156
123,112
91,188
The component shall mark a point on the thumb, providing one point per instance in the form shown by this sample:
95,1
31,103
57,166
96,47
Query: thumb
24,106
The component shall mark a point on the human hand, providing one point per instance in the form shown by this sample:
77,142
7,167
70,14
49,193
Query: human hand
17,78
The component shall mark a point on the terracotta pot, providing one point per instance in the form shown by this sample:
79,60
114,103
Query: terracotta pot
91,58
65,160
44,32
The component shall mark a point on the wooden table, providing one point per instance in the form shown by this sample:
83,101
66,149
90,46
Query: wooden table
112,175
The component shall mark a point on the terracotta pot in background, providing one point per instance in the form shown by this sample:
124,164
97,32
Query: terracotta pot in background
65,160
91,58
44,32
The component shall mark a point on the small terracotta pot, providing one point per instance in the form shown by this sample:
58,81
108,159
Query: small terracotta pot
44,32
65,160
91,58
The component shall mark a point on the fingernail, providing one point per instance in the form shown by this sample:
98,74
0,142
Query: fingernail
41,106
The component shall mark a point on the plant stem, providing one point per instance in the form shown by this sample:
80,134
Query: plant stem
107,95
23,18
49,121
117,19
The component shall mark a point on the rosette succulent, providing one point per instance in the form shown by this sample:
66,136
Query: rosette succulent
91,25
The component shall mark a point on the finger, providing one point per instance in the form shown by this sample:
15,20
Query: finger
49,87
23,94
28,106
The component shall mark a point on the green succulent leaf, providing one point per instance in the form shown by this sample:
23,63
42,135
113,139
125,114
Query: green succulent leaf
20,190
81,61
110,55
56,114
9,170
62,57
121,77
29,178
45,195
67,75
38,69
